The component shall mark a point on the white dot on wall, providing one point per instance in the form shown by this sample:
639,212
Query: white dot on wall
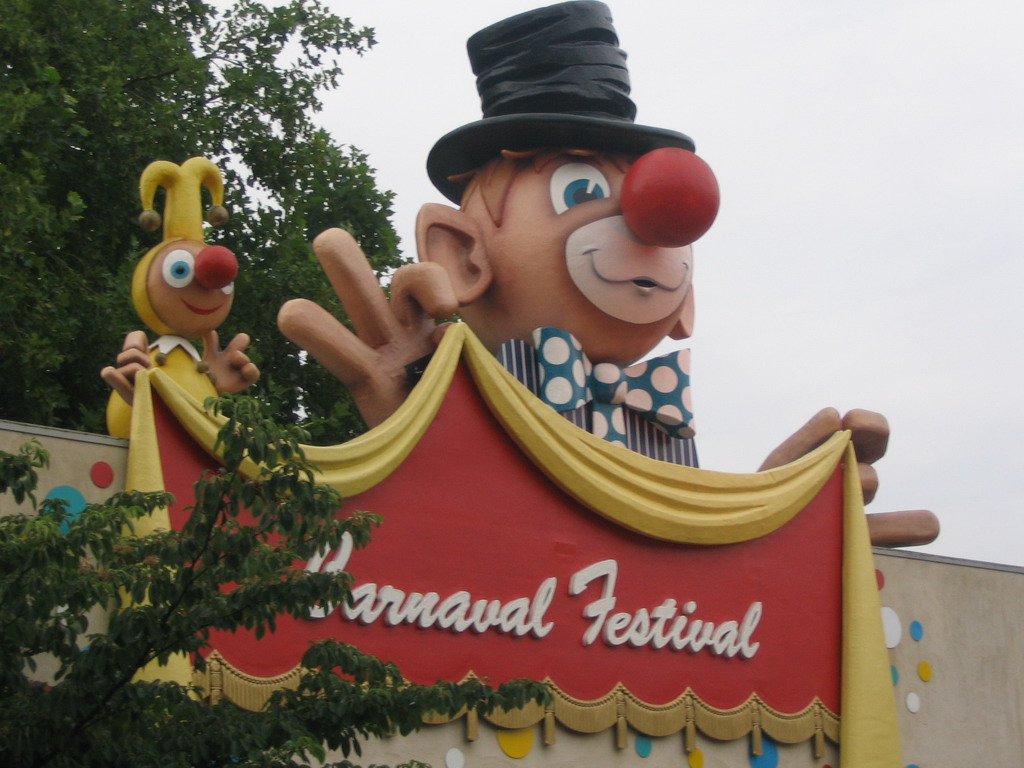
892,626
454,758
913,702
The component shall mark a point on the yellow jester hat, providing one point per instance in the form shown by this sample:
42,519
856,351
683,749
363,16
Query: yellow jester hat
182,219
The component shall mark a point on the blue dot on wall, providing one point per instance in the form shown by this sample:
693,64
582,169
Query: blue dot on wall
643,746
895,674
75,503
916,630
769,757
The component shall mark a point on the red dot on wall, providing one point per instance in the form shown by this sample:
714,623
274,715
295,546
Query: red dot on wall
880,578
102,474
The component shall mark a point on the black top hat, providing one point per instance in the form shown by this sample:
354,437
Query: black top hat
553,77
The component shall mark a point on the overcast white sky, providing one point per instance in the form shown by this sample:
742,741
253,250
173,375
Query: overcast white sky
869,250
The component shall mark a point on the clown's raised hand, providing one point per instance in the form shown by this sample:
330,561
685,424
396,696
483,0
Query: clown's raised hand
389,334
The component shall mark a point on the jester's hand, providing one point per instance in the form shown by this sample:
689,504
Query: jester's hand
389,334
134,357
230,369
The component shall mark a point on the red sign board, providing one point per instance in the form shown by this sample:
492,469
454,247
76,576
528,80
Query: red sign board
484,565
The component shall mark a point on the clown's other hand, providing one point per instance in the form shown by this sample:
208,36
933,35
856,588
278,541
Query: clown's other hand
389,334
868,430
870,434
230,369
134,357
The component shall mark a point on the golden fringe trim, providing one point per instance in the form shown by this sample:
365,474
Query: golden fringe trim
220,681
618,709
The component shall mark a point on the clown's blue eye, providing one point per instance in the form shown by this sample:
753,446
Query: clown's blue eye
575,183
179,268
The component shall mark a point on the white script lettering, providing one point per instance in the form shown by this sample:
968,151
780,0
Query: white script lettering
457,612
668,625
664,625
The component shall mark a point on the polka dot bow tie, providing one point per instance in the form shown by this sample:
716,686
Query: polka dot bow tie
657,389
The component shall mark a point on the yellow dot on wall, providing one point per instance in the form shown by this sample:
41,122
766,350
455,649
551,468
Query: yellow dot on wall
516,742
696,759
924,671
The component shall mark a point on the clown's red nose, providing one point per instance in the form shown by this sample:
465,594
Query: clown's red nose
216,266
669,197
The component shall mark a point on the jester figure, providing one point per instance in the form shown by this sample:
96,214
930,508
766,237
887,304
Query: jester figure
182,290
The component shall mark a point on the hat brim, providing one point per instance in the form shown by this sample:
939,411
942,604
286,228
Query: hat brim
467,148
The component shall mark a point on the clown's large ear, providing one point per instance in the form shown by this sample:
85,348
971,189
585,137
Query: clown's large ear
683,328
452,238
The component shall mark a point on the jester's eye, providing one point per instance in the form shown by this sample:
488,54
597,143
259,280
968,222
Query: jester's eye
179,268
575,183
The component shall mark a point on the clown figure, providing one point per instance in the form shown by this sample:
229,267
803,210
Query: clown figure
182,289
574,230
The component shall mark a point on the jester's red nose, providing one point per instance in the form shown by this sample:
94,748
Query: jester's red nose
216,266
669,197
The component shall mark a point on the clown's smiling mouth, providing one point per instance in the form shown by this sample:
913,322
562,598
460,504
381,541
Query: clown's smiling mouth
645,282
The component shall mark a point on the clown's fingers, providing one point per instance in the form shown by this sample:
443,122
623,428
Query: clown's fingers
355,283
905,528
422,291
869,432
333,345
820,428
376,378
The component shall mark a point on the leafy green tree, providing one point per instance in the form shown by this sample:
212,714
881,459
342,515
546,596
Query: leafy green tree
227,569
91,91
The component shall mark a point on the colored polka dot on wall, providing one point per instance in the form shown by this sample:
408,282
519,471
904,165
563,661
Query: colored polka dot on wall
769,757
644,746
516,742
879,578
916,630
695,759
75,503
101,474
924,671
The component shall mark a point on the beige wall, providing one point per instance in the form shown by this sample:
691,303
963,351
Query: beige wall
73,458
971,711
73,455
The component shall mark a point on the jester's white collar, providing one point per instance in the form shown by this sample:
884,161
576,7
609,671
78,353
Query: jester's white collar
167,344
